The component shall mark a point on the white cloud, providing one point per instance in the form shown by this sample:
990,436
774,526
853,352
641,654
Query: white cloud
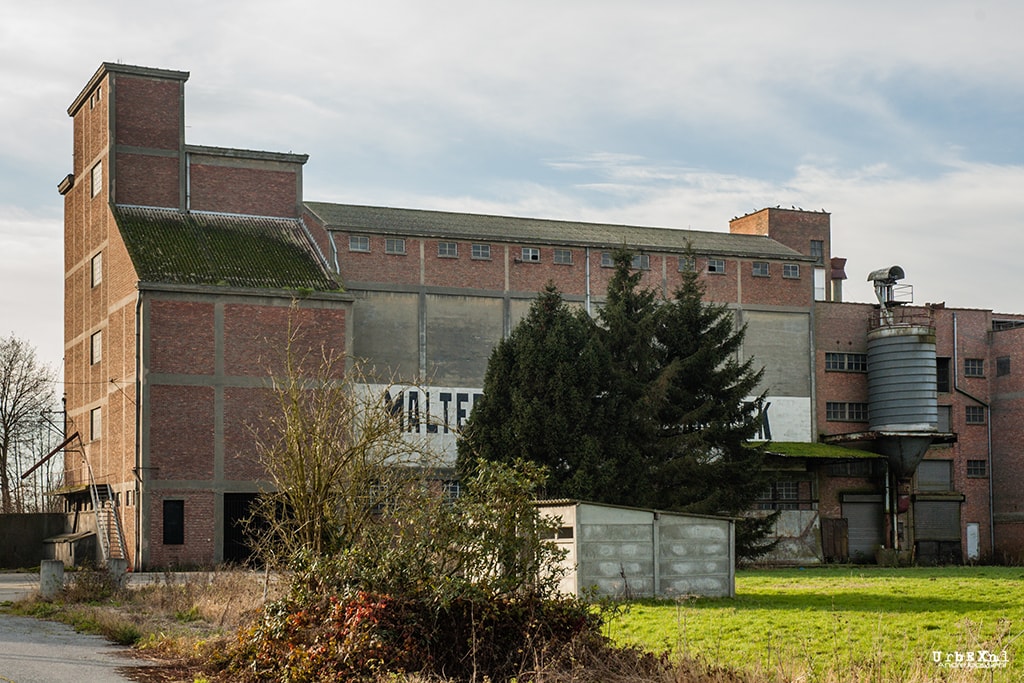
660,113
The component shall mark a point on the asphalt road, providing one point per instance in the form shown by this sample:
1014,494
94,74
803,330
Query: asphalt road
39,651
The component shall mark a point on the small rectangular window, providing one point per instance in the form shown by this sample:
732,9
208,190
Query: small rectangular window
96,347
977,468
358,243
97,178
846,362
394,245
791,270
781,495
607,260
760,269
846,412
641,262
687,264
563,257
95,424
974,415
480,252
448,249
531,255
716,265
818,251
174,522
942,375
1002,366
96,269
451,489
974,367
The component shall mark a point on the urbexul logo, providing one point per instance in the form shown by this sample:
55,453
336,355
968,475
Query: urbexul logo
972,659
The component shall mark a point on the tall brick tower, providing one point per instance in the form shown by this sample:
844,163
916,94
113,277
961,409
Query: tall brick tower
183,268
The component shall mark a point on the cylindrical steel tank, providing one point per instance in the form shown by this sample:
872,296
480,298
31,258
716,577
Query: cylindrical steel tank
901,378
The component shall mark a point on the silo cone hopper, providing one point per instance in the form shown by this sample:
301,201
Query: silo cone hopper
903,451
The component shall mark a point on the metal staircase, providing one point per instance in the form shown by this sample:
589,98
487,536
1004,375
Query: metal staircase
108,522
104,503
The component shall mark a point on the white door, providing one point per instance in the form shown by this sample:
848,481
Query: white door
973,541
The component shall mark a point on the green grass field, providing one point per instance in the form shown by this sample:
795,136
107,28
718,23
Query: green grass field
848,623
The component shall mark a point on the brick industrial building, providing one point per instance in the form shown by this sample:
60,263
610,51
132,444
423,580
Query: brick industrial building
184,266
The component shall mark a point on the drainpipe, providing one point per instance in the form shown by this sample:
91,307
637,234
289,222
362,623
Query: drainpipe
587,261
988,445
138,433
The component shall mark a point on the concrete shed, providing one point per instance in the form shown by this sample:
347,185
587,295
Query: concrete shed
631,552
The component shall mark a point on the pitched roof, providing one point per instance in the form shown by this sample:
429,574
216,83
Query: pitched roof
468,226
170,246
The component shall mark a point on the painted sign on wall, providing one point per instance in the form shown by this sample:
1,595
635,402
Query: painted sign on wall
433,416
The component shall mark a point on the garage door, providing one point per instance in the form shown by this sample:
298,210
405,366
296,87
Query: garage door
863,514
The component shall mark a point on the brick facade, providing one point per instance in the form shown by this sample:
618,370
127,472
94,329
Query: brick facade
185,363
181,376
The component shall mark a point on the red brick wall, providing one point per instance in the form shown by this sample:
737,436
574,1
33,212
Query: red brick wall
148,111
256,336
246,413
148,180
793,228
776,290
244,190
198,549
148,117
181,432
839,328
181,337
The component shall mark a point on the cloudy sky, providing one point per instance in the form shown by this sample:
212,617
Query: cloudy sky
903,120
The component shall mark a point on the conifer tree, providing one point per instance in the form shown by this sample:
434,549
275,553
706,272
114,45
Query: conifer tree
539,400
652,407
709,412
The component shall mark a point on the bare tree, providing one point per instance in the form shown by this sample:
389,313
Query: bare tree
334,453
26,390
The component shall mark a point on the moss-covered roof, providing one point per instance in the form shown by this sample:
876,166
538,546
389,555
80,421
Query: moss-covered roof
168,246
796,449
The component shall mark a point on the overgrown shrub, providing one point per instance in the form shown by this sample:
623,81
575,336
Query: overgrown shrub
462,588
363,635
90,585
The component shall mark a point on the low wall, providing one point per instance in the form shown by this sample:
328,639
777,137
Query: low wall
21,537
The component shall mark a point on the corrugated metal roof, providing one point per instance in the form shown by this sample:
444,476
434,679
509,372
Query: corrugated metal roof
468,226
170,246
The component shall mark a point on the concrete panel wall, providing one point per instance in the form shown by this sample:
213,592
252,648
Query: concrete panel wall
631,553
461,331
388,325
695,556
781,343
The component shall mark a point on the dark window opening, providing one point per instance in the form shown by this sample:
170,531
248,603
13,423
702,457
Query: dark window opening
174,522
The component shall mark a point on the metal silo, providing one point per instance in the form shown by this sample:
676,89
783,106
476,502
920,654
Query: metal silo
902,392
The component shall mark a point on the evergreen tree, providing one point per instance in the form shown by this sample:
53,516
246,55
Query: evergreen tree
653,407
631,391
708,415
539,401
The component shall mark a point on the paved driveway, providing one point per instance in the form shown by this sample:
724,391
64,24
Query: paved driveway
36,650
39,651
16,586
